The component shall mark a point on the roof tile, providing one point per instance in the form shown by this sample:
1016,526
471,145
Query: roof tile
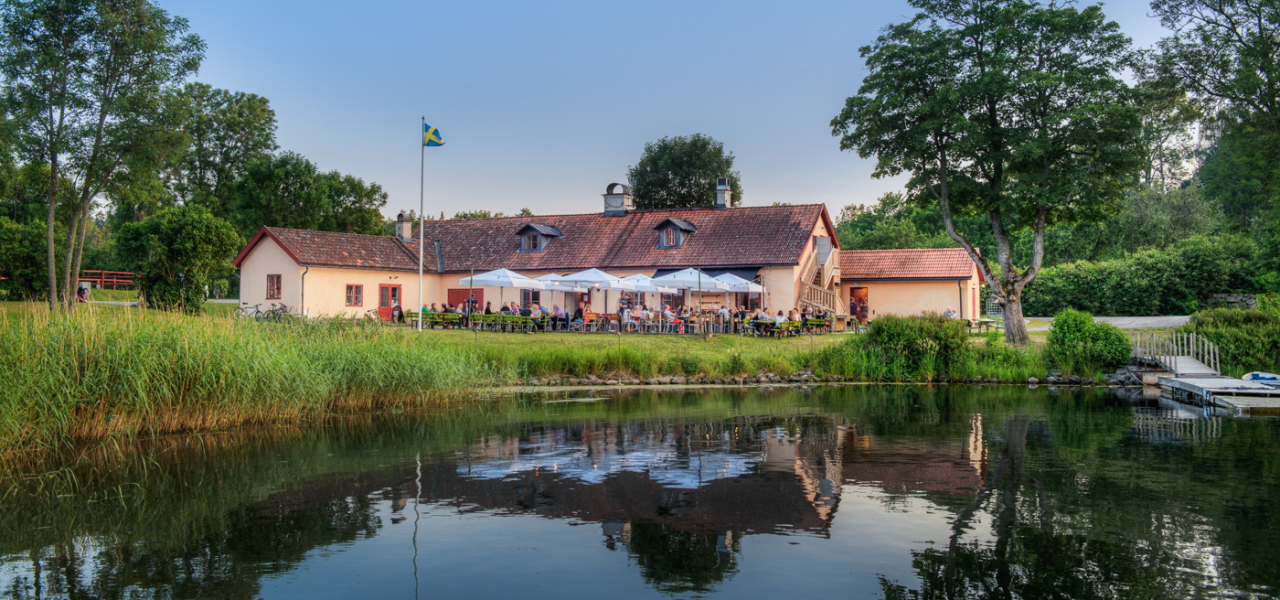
938,263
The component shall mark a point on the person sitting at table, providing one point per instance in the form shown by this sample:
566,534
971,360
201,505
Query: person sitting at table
526,312
723,313
488,308
578,316
780,319
949,313
433,309
672,318
558,317
506,309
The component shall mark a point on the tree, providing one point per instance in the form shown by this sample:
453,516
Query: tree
478,214
355,207
1008,109
281,191
85,81
22,268
681,172
228,132
177,253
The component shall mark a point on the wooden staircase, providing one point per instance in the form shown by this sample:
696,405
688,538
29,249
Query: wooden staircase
821,274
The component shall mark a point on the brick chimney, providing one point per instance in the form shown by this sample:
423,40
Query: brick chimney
404,228
724,195
617,203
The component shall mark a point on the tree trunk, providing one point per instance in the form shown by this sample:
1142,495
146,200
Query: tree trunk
1015,327
75,265
52,246
68,294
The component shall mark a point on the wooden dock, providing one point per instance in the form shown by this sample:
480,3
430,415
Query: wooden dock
1246,397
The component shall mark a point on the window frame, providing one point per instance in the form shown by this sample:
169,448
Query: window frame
358,288
670,237
278,280
537,242
530,297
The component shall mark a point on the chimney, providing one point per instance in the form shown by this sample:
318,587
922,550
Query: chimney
616,204
724,195
404,228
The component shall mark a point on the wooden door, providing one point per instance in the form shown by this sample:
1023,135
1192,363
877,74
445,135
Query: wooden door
459,296
388,296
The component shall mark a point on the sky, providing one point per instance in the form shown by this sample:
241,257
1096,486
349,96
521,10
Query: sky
543,104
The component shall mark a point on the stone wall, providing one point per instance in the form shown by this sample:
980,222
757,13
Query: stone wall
1233,301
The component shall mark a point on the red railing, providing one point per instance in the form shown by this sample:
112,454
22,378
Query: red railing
115,279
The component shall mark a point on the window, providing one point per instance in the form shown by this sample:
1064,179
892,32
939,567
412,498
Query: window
355,295
671,237
675,301
273,287
530,243
530,297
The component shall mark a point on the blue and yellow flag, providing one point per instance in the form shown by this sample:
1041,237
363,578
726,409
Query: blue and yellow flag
431,136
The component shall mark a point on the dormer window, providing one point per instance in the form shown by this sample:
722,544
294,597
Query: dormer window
672,233
535,238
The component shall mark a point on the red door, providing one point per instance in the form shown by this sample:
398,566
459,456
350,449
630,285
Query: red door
458,296
388,296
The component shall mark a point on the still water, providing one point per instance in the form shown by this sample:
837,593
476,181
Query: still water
863,492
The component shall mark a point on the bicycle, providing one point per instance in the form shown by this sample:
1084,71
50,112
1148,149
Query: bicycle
276,314
248,312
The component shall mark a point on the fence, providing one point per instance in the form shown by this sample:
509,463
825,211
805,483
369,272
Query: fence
115,279
1164,348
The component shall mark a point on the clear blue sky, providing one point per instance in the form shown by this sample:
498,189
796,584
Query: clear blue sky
542,104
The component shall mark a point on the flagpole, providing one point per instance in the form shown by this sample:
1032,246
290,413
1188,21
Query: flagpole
422,186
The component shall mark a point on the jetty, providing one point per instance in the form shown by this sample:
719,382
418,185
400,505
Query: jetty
1191,374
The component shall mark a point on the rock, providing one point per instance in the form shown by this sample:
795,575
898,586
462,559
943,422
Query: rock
592,378
1074,380
611,382
664,380
1032,380
678,380
1052,380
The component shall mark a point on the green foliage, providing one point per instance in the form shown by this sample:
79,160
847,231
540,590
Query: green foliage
228,132
288,190
1247,340
22,259
681,171
1010,109
1077,344
1176,281
177,253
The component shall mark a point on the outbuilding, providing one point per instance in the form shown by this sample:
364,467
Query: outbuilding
910,282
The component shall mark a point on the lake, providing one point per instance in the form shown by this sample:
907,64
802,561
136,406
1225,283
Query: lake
848,491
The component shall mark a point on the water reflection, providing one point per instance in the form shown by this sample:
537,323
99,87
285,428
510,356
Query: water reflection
871,492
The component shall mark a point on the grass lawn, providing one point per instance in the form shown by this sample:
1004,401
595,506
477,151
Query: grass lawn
113,295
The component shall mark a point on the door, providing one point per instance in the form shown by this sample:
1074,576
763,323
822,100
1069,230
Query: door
459,296
388,296
858,304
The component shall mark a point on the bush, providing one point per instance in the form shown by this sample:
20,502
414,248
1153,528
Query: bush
930,343
1078,344
1173,281
1247,340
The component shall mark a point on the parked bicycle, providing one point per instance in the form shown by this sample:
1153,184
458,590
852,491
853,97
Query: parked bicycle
248,312
276,314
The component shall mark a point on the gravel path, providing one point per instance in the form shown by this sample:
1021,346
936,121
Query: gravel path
1129,322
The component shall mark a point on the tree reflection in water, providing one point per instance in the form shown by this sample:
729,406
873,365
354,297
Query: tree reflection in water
1048,496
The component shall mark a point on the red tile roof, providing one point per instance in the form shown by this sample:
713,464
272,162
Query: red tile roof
941,263
743,236
331,249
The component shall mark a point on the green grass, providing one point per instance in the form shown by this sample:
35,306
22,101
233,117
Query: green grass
113,295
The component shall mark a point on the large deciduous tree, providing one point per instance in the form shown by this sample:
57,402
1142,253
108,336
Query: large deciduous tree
681,172
1004,108
288,190
228,132
86,79
1227,54
176,254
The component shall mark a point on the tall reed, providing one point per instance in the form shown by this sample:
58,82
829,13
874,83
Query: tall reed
99,373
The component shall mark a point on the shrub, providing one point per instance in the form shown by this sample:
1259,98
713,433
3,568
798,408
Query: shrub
932,344
1078,344
1247,340
1172,281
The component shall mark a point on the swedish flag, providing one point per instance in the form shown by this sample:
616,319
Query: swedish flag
431,136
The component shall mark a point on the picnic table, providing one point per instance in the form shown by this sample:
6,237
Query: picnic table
983,324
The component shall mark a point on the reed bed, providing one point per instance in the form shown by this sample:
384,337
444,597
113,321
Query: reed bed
107,372
101,373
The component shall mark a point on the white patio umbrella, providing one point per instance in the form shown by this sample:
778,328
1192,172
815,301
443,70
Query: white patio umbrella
502,279
597,279
555,284
692,280
645,284
740,285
